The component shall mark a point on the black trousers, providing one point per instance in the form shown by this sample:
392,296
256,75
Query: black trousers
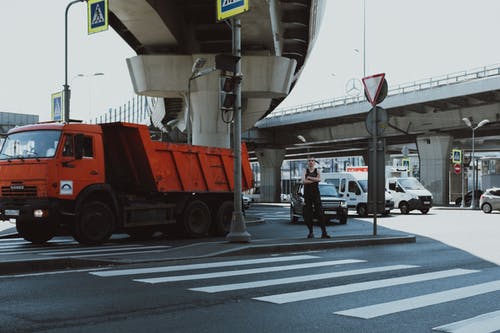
313,209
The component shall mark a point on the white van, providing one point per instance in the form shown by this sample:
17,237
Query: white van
353,186
409,194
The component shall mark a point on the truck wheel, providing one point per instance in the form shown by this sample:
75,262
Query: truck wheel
343,220
362,210
36,233
94,224
223,218
196,218
403,207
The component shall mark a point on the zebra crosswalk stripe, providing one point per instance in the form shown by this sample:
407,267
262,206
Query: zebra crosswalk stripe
245,271
485,323
230,263
295,279
382,309
344,289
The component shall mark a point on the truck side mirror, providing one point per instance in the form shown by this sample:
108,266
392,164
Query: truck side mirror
392,186
78,146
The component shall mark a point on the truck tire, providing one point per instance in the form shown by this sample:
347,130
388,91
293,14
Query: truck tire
36,233
223,218
362,210
196,218
95,222
403,207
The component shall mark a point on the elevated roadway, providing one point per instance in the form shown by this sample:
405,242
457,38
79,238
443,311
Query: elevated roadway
426,115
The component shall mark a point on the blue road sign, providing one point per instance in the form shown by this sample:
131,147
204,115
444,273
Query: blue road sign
228,8
97,15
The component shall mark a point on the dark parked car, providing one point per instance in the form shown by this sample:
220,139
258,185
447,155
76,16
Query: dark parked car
333,205
468,198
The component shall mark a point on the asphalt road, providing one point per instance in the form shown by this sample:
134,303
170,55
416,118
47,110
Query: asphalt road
418,287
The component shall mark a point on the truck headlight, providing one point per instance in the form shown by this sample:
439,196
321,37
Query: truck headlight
343,204
40,213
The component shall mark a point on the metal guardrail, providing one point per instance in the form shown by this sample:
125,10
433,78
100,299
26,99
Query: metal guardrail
449,79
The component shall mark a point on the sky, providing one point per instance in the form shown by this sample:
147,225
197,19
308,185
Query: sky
406,39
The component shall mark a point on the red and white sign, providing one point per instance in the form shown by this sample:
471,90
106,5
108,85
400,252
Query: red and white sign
373,85
457,168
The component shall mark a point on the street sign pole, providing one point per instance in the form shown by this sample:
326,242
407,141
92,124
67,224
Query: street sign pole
238,232
374,165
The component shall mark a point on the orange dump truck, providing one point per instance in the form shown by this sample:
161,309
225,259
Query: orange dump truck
95,180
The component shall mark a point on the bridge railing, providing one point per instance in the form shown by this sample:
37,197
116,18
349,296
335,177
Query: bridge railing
448,79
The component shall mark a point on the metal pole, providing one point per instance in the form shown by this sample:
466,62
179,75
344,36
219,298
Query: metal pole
67,91
473,204
238,231
364,38
462,204
374,168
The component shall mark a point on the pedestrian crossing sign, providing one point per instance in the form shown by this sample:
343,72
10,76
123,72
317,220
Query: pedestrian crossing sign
57,106
97,15
456,156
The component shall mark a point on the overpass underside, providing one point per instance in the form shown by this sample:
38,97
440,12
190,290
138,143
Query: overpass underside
169,35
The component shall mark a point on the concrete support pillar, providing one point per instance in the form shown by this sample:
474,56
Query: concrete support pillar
434,154
270,161
209,127
264,78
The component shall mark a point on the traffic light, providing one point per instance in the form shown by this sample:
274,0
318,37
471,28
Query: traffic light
227,94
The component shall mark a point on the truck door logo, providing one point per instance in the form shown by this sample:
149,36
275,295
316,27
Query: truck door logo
66,187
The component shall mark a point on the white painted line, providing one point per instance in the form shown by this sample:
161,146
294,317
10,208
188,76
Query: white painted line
56,249
177,268
48,273
411,303
106,249
245,271
485,323
295,279
355,287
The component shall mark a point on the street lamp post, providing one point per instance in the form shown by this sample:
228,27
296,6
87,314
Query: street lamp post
67,91
474,128
90,76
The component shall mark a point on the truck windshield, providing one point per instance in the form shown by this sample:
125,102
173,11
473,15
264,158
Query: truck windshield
30,144
364,184
410,184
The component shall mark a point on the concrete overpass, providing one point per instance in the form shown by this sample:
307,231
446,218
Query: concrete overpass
426,115
169,35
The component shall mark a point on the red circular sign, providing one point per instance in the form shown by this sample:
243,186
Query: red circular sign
457,168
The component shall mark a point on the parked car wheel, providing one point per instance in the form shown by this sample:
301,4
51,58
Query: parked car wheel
486,208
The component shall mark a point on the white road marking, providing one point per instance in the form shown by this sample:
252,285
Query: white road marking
350,288
49,273
485,323
411,303
245,271
163,269
304,278
103,249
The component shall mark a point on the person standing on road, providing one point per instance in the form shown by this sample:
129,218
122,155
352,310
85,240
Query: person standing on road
312,198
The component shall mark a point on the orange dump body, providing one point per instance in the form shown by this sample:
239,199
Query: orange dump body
134,161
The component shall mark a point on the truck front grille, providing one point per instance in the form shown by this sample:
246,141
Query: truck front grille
25,192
